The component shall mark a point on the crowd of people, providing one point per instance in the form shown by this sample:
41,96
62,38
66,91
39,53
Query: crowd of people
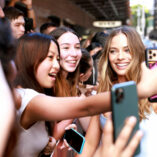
52,81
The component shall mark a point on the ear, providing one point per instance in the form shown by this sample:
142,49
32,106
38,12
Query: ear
81,76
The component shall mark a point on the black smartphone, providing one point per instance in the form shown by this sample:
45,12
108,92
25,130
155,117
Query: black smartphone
75,140
151,62
124,102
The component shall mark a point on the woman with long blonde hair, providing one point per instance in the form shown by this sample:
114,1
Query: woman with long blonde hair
120,62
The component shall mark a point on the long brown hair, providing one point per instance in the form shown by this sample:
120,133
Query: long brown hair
68,86
137,49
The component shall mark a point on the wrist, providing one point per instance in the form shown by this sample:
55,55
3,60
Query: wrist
29,8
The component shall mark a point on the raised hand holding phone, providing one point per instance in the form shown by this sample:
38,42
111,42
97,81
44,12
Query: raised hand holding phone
124,104
151,62
75,140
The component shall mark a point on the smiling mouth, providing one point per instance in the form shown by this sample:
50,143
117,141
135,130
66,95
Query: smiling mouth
72,62
52,75
122,66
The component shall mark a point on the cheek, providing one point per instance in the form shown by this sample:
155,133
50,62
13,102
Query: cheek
130,57
79,55
63,55
111,58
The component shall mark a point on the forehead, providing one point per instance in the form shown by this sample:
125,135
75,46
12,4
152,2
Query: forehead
53,48
20,19
119,39
68,37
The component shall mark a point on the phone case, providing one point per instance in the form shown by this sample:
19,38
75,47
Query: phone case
124,104
151,62
75,140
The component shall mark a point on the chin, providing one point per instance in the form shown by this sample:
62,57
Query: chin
71,69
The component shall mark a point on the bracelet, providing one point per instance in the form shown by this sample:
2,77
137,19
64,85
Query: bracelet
29,8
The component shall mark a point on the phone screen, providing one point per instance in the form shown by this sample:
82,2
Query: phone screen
75,140
151,58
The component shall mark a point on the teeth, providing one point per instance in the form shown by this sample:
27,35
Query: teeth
53,75
121,65
71,61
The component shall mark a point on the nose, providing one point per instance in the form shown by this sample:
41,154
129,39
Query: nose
73,52
22,28
121,55
55,65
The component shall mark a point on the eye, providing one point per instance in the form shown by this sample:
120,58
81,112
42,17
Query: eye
50,56
127,50
65,47
112,51
17,25
78,47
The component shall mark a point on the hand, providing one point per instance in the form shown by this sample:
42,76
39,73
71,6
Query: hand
63,143
148,83
50,146
28,3
119,148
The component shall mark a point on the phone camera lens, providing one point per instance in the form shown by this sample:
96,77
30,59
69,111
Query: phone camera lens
150,52
150,57
119,95
154,54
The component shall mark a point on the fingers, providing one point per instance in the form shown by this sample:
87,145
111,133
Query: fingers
50,146
125,134
131,148
71,126
67,145
108,134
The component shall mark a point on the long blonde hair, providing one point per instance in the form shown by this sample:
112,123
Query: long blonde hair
137,49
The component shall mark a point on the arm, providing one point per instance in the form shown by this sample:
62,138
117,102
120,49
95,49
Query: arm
49,108
12,3
59,128
93,136
7,111
119,148
43,107
30,11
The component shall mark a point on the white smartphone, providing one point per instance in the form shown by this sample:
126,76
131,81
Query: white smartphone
151,61
75,140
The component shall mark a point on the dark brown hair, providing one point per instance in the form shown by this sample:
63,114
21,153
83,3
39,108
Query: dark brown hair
32,49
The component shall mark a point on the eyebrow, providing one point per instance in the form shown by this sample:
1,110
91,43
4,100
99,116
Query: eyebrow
67,44
20,23
116,47
51,52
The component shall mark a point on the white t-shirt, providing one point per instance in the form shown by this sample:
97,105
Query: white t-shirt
33,140
149,140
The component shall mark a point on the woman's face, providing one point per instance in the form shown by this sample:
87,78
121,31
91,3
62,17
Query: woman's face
47,70
119,54
70,52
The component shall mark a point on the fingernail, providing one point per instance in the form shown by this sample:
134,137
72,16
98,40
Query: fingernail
132,119
140,133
